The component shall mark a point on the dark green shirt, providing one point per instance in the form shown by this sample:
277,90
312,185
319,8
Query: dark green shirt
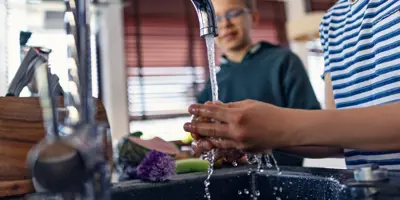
268,73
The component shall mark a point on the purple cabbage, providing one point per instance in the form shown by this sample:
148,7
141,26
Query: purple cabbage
156,166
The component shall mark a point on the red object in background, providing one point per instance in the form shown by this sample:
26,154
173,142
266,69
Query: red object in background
319,5
42,50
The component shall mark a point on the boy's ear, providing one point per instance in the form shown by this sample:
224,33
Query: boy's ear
256,18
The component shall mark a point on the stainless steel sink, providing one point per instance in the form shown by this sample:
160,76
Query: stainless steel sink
292,183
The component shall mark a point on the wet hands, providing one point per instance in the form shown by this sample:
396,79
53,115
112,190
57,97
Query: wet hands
247,126
203,144
222,155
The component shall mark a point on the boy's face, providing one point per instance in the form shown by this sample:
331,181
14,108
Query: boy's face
234,32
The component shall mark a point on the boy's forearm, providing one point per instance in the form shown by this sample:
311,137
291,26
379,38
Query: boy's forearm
373,128
314,151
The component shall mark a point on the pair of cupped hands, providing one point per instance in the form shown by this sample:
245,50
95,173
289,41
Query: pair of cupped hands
247,126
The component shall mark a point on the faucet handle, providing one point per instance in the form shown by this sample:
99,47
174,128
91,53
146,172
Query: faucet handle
26,72
371,173
47,101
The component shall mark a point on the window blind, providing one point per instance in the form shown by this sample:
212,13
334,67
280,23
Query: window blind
167,60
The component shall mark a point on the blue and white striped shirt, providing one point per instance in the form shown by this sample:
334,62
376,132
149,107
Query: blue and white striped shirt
361,42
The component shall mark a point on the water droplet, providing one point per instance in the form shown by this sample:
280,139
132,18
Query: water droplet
280,189
246,191
275,188
257,193
240,192
278,198
234,163
290,183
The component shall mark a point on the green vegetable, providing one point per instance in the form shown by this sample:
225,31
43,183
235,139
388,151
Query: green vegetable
191,165
137,134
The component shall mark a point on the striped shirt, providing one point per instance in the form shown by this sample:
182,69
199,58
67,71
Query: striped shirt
361,43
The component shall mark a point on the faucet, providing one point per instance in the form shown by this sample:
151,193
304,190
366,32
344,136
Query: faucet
207,19
79,162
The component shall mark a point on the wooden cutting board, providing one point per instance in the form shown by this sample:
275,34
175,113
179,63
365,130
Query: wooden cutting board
11,188
21,127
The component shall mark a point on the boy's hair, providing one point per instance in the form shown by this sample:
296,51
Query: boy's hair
251,4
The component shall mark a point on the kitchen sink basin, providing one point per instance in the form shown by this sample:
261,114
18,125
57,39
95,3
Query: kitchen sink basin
293,183
236,183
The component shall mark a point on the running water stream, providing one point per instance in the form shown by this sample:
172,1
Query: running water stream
210,156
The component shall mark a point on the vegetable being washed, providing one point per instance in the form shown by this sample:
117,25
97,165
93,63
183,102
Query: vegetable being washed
191,165
156,166
188,139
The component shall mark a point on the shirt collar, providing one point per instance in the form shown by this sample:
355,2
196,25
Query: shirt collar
253,50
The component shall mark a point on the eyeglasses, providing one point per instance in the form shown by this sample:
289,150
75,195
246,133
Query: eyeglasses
232,14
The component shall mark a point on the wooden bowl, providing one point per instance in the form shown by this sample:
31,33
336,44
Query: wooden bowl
21,127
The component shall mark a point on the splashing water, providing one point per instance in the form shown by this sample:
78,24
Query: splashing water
276,163
267,160
210,158
234,163
259,162
254,191
214,90
259,159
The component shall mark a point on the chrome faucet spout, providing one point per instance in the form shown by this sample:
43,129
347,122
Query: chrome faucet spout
207,19
76,162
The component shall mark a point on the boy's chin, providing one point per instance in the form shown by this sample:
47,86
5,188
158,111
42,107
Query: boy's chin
234,46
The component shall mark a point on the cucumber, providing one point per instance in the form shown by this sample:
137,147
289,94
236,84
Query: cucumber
191,165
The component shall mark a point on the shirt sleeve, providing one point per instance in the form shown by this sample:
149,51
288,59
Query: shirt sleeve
297,87
324,43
